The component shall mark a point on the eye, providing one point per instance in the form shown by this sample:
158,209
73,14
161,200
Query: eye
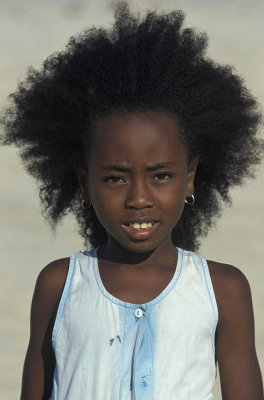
114,179
164,176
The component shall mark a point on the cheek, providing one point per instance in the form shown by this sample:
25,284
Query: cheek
178,196
176,208
172,200
100,203
177,191
103,204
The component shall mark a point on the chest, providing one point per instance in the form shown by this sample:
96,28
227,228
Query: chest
165,351
136,287
151,352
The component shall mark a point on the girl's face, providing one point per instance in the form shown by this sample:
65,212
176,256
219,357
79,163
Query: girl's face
137,179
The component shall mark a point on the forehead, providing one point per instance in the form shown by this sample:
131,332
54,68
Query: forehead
123,136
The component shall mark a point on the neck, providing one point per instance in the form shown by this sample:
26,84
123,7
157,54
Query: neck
113,252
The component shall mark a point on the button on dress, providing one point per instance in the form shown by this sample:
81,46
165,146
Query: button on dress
108,349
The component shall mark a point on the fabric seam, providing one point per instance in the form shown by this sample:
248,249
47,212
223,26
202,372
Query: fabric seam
151,303
210,290
63,299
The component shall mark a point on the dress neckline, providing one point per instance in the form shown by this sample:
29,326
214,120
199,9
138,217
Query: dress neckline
113,299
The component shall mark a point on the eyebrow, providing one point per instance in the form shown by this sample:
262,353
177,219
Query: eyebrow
154,167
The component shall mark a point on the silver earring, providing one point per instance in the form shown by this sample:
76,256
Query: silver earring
83,204
190,203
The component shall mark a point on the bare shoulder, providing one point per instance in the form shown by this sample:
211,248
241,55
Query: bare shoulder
54,274
46,298
228,282
49,287
40,361
225,272
232,289
235,342
51,281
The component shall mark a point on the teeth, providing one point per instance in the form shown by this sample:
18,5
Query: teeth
144,225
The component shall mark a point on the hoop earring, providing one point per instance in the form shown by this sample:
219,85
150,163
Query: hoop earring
83,205
190,203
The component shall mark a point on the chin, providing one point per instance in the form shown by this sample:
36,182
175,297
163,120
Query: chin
140,247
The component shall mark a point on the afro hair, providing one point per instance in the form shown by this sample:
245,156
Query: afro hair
140,63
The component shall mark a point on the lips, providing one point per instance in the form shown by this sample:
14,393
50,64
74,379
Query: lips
140,230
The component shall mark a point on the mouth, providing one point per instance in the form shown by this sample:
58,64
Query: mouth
140,230
141,225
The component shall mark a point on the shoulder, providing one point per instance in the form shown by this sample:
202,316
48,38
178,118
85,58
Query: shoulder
235,340
50,282
231,287
54,274
40,362
227,278
47,294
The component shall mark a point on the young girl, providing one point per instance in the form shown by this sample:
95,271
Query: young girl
141,136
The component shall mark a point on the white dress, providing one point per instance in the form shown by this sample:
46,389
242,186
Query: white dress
108,349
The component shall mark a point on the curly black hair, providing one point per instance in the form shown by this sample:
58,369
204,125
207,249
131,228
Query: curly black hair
141,63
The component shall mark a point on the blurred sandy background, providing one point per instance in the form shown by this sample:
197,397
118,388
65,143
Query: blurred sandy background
29,32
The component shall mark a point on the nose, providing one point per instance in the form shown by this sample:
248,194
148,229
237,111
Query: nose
139,196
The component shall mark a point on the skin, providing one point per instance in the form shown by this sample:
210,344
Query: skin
128,183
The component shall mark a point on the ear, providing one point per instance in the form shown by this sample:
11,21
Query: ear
82,177
192,168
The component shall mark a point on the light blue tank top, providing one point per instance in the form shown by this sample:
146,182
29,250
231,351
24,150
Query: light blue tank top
108,349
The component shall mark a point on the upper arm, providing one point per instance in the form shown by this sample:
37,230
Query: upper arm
235,338
40,362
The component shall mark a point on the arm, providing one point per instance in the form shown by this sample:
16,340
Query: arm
40,361
235,342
